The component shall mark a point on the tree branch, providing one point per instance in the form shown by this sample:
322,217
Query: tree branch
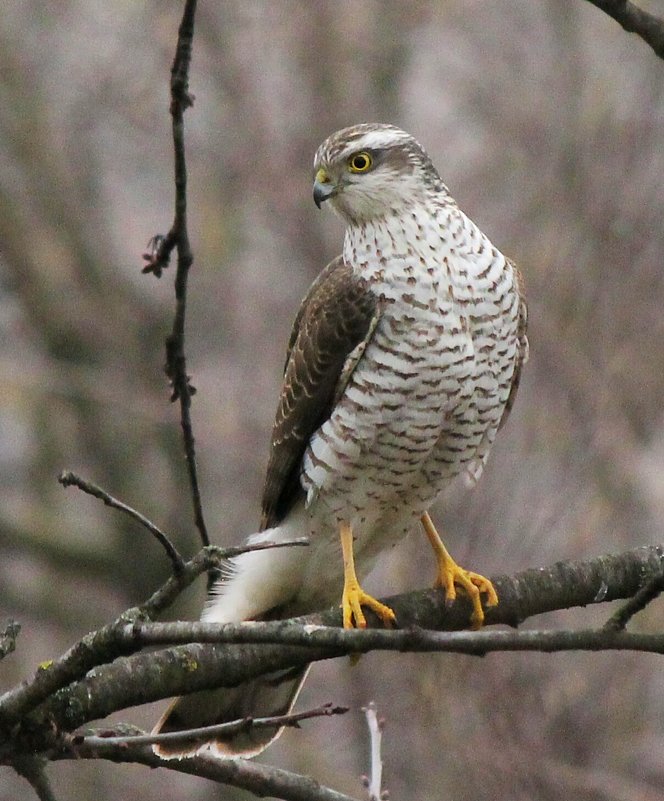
33,770
8,638
651,590
158,258
68,479
328,641
374,781
106,644
635,20
261,780
263,647
292,720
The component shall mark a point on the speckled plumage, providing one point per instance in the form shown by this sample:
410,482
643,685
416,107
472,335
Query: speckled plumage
402,364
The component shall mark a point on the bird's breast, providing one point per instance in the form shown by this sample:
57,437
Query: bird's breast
433,380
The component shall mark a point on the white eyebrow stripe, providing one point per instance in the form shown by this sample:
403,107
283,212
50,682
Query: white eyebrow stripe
379,139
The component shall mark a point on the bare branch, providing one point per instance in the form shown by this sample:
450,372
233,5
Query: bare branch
8,638
635,20
176,365
106,644
374,781
207,732
33,770
637,603
158,258
147,677
341,641
68,479
261,780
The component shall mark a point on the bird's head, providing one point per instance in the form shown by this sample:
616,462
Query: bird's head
371,170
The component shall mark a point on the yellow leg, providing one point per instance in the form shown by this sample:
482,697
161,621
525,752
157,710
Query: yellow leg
449,574
354,596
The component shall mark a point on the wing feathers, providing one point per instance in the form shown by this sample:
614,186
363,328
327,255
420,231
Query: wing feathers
338,314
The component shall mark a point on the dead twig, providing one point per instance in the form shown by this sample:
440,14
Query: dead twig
635,20
374,781
69,479
158,258
651,590
208,732
262,780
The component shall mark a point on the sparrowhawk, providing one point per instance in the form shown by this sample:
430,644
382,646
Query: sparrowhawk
403,363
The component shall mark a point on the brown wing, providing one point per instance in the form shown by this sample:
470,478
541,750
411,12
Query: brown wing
522,347
337,315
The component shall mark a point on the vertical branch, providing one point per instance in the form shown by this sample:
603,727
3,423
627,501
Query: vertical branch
159,256
374,781
33,770
176,365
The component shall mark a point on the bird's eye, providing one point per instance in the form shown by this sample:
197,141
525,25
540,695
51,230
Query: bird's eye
360,162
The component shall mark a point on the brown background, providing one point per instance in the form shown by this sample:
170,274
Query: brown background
546,121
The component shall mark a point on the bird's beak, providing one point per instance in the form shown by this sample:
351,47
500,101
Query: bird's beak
324,187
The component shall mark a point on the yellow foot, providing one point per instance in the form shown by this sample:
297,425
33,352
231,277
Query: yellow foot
449,575
354,598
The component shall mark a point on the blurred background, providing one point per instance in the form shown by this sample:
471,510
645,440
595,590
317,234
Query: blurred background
545,119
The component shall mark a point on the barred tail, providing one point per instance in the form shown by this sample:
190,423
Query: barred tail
265,696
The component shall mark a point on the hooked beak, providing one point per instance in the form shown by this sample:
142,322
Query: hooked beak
324,188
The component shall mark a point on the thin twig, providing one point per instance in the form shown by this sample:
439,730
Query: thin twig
161,248
209,732
210,558
635,20
8,638
374,781
262,780
176,365
105,644
651,590
69,479
33,770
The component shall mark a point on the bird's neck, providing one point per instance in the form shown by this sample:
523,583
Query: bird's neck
432,248
399,244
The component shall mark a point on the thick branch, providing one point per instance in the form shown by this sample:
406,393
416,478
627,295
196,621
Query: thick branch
106,644
635,20
150,676
341,641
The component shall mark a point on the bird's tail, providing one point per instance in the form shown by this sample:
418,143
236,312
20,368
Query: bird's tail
255,587
265,696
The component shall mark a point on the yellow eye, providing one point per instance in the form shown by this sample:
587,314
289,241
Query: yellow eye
360,162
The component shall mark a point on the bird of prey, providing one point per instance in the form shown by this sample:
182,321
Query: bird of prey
403,363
